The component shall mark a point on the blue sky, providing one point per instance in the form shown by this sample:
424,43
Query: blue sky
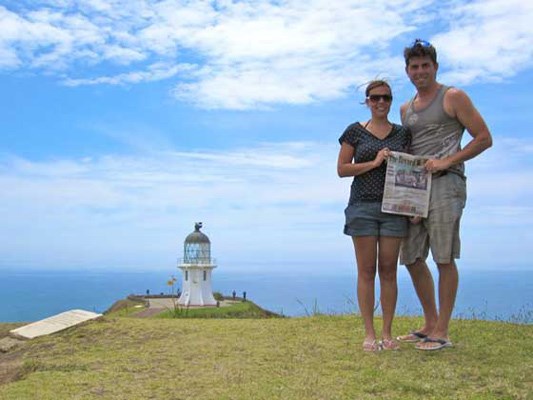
125,121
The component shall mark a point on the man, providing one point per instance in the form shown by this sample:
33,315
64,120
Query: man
437,117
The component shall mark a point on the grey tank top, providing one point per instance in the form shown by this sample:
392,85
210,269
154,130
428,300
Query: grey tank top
433,132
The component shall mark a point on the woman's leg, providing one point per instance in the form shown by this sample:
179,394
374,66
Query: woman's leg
365,254
389,248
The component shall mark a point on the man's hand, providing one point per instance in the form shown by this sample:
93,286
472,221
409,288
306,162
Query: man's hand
415,220
435,165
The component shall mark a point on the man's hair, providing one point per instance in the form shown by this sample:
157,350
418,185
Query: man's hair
420,48
376,83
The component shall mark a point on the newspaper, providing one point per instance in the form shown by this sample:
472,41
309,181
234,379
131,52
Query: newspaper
407,185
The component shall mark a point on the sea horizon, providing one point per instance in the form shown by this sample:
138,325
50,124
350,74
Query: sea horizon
31,294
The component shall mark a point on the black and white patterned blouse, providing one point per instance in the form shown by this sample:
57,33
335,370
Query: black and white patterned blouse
368,187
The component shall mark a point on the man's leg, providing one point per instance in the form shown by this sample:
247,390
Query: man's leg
448,284
425,290
443,224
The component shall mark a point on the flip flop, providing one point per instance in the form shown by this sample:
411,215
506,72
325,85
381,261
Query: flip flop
372,346
412,337
389,344
439,344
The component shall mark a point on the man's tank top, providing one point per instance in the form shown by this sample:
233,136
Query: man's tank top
433,132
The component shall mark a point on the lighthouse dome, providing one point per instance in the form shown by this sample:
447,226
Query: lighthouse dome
197,236
197,247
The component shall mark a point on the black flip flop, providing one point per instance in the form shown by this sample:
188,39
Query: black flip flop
419,337
442,343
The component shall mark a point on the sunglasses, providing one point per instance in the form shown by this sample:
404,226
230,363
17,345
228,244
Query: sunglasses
374,98
421,43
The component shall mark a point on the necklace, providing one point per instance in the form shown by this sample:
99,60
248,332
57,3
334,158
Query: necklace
381,132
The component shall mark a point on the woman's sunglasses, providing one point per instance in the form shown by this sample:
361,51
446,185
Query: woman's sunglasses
374,98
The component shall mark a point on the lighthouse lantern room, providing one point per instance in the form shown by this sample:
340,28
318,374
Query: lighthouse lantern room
196,266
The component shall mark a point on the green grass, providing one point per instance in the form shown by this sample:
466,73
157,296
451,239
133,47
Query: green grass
125,308
245,309
278,358
240,309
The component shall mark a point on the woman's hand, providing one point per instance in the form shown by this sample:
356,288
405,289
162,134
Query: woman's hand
382,156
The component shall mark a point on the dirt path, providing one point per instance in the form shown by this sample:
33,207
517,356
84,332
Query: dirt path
158,305
10,366
10,361
148,312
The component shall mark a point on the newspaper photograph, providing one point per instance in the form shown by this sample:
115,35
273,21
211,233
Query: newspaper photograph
407,185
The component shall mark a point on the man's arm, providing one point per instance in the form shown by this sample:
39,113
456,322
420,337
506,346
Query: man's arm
403,109
458,105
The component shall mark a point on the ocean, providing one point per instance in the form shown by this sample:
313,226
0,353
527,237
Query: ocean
29,295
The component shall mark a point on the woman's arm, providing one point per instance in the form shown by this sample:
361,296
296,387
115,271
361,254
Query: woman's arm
346,166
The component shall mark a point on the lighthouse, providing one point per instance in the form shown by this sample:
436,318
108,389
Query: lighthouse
196,266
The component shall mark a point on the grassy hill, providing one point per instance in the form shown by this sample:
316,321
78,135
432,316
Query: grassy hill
316,357
133,306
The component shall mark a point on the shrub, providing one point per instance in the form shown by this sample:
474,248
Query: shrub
218,296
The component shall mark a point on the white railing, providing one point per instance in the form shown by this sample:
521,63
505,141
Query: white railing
197,261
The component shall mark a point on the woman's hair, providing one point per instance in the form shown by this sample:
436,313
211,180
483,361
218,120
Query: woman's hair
376,83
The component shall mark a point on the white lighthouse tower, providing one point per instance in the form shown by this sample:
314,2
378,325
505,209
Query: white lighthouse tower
196,266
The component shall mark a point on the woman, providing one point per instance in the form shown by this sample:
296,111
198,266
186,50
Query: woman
376,235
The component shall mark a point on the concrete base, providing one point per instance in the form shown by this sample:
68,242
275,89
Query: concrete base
53,324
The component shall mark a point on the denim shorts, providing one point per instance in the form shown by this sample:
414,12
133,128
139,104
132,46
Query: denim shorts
440,230
366,219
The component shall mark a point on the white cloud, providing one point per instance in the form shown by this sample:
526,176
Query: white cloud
8,58
278,201
261,53
154,72
136,206
487,40
256,53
